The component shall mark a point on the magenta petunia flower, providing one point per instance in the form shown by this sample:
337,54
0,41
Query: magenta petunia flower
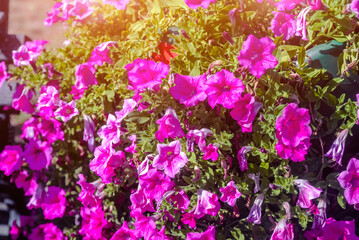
349,181
106,161
293,133
207,203
224,89
100,54
47,101
133,146
145,74
355,6
198,136
47,231
140,201
257,56
145,226
11,159
336,151
209,234
241,156
169,126
37,198
93,221
287,5
124,233
51,130
89,132
38,154
283,24
301,23
179,200
119,4
321,217
112,131
170,158
21,99
66,110
28,185
155,184
283,231
194,4
3,73
54,203
244,111
190,218
81,9
35,48
210,152
85,75
128,106
86,196
21,56
306,193
255,214
29,129
159,235
189,90
230,193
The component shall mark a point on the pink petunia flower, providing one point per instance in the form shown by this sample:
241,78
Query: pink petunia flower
133,146
112,131
321,217
301,23
128,106
349,181
306,193
155,184
209,234
244,111
287,5
140,201
11,159
169,126
230,193
47,101
85,75
210,152
119,4
93,221
29,129
207,203
51,130
106,161
100,54
194,4
21,56
159,235
145,74
47,231
66,111
224,89
241,156
81,9
255,214
336,151
38,154
86,196
283,24
189,90
3,73
283,231
28,185
145,226
293,133
35,48
354,5
54,203
179,200
257,56
124,233
189,218
21,99
198,136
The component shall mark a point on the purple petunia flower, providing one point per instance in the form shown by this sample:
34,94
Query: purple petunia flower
209,234
38,154
321,217
145,74
283,24
47,101
244,111
133,146
145,226
198,136
230,193
11,159
306,193
241,156
283,231
35,48
293,133
89,132
194,4
119,4
179,200
170,158
54,203
155,184
336,151
51,130
224,89
189,90
169,126
66,110
349,180
255,214
257,56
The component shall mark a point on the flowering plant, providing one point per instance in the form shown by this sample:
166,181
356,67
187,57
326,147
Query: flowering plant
186,119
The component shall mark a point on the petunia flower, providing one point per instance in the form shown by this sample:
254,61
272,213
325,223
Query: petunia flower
112,131
47,231
198,136
349,181
100,54
21,99
283,231
223,89
133,146
50,130
81,9
241,156
155,184
287,5
210,152
35,48
47,101
189,90
189,218
255,214
145,226
54,203
321,217
354,5
336,151
11,159
158,235
170,158
306,193
85,75
119,4
140,201
66,111
169,126
209,234
194,4
207,203
3,73
255,178
230,193
128,106
21,56
244,111
22,180
283,24
179,200
89,132
93,221
87,195
257,56
146,75
38,154
124,233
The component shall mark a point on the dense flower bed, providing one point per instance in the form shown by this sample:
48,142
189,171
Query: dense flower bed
187,119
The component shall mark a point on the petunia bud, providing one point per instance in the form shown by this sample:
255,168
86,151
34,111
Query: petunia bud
336,151
256,211
228,38
233,16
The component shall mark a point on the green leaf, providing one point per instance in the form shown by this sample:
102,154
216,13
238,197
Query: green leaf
341,200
